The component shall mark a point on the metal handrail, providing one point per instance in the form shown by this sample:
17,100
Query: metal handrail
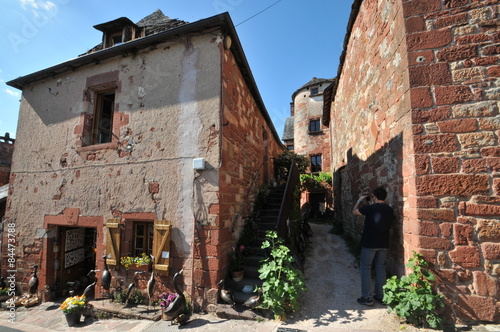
287,201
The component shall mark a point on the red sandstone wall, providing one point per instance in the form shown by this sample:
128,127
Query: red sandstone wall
453,51
248,149
6,150
370,120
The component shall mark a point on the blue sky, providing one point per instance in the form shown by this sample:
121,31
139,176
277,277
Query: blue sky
285,45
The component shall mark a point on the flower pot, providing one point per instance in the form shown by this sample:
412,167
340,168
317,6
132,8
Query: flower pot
135,267
4,298
237,275
73,318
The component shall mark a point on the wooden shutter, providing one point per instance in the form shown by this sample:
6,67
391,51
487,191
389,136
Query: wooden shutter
113,241
161,246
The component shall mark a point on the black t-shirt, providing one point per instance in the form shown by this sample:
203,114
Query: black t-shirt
378,222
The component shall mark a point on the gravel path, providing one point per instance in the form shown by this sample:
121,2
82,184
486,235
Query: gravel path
333,285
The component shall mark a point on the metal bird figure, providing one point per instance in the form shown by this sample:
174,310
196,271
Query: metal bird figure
178,305
2,283
106,276
33,282
225,294
89,291
254,301
151,285
131,287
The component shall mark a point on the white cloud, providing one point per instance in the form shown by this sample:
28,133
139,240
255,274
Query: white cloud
37,5
12,92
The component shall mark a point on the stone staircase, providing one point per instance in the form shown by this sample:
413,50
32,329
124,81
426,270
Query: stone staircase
254,254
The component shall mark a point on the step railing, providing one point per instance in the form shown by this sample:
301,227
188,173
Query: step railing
287,201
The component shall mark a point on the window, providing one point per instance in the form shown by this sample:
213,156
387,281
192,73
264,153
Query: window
316,163
114,39
314,126
290,147
143,238
314,90
103,118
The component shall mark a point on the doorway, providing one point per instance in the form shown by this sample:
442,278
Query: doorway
74,257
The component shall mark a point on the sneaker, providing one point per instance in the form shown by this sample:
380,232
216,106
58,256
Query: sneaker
379,300
365,301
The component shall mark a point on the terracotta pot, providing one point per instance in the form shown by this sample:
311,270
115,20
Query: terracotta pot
237,275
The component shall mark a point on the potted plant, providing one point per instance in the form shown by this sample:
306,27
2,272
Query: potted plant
136,263
72,308
4,294
165,300
237,260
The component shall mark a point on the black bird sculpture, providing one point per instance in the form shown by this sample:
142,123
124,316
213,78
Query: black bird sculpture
33,282
225,294
106,276
177,306
131,287
254,301
2,283
89,291
151,285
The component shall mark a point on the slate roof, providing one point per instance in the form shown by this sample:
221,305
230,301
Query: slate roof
288,130
158,22
151,24
313,81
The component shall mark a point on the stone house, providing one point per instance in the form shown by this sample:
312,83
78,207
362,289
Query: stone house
153,142
6,151
305,134
416,109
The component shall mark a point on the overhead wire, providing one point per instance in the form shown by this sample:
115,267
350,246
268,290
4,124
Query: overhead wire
263,10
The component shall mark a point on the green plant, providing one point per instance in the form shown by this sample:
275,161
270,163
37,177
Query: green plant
120,296
412,297
144,259
282,282
137,297
4,291
314,182
283,161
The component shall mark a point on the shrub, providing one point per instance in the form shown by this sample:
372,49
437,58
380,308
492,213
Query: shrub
412,297
282,282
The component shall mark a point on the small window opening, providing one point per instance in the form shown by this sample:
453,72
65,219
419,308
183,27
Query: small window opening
103,118
143,238
314,126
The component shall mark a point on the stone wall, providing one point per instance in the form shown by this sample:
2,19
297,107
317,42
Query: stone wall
453,52
309,107
416,110
249,143
6,151
370,120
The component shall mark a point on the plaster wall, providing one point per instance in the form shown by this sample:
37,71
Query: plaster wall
310,107
166,110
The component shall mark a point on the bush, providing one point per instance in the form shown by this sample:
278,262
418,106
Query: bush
282,282
412,297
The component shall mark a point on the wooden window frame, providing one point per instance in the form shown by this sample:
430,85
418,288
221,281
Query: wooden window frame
98,133
311,121
147,238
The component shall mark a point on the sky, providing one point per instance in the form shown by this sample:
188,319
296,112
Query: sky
286,42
